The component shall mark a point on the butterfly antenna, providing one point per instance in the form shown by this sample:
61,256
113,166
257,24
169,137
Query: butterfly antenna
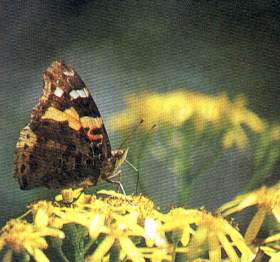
138,160
131,133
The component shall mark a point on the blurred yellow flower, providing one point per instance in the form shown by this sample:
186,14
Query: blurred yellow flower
275,257
239,114
235,137
175,108
275,133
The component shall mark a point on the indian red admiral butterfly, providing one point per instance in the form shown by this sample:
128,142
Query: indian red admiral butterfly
65,144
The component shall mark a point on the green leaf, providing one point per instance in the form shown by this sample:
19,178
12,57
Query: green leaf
54,251
21,257
74,242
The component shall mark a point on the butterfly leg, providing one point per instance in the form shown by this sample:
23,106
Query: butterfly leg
116,182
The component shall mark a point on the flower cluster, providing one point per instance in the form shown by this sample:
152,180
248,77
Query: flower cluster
267,201
176,108
129,227
20,235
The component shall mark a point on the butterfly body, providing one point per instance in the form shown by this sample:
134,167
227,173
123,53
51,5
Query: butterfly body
65,143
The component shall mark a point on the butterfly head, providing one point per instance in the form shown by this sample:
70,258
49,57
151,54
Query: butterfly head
112,164
119,156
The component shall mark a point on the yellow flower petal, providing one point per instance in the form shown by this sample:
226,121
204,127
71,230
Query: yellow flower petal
101,250
37,253
130,249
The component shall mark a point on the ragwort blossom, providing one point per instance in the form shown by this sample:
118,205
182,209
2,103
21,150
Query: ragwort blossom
20,235
214,231
176,108
129,227
267,200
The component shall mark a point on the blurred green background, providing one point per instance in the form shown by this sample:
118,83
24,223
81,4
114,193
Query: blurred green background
123,47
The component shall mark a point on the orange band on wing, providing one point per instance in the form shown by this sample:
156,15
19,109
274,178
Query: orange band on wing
92,137
75,122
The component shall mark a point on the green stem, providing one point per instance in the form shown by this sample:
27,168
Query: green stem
88,245
263,172
62,255
200,171
189,182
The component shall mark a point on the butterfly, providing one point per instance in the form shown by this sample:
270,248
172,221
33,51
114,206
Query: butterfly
65,144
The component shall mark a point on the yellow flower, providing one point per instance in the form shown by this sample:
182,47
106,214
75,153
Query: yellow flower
153,234
271,247
160,255
102,249
275,257
118,201
97,226
177,107
239,114
20,235
221,234
119,231
216,232
235,137
275,133
130,250
176,221
208,109
154,108
42,213
69,195
266,199
131,226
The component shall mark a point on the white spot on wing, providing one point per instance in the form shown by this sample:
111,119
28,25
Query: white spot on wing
79,92
74,94
83,93
69,73
58,92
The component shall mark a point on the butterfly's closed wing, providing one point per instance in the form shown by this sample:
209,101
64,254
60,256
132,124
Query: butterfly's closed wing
65,141
41,161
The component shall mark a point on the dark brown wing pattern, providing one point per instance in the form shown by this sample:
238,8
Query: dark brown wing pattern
65,141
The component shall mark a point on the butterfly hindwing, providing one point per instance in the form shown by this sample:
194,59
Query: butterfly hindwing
43,161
